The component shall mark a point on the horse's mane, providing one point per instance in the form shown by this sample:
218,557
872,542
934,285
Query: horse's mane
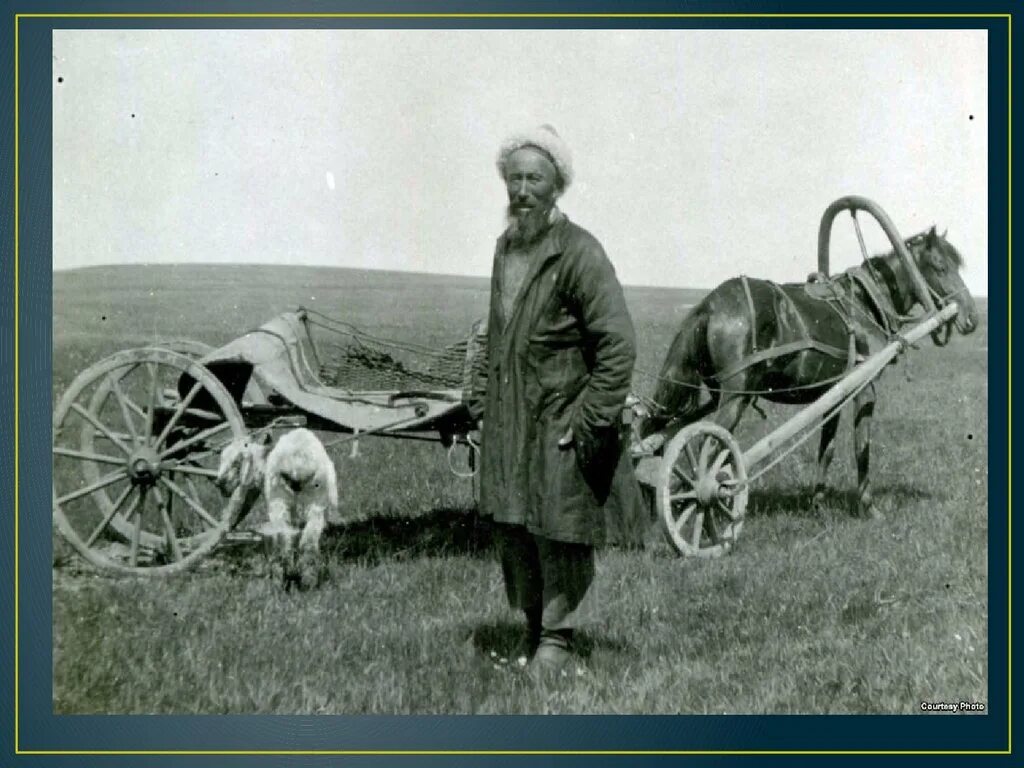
914,243
947,248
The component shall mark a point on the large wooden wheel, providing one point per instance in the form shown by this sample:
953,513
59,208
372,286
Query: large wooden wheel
188,347
702,490
136,444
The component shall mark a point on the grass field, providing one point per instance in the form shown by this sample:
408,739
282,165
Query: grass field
810,614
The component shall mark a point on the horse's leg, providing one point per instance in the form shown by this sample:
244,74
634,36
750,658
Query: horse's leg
864,405
731,411
826,450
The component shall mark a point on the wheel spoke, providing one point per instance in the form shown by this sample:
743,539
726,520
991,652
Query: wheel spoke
110,515
692,457
698,529
99,458
713,527
206,452
122,436
192,504
192,487
103,482
211,451
130,369
205,434
134,407
151,409
133,555
122,401
172,540
191,469
683,476
100,426
682,496
726,509
705,453
680,522
182,407
719,461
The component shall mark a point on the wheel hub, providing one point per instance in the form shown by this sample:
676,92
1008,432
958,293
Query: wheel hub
720,486
707,489
144,466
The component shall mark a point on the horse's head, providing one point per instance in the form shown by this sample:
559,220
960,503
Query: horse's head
940,264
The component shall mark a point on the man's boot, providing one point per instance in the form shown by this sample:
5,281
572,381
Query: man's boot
553,655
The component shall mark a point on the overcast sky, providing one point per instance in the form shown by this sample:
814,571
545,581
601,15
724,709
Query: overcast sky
698,154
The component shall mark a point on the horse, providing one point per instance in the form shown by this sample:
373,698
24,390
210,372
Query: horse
789,343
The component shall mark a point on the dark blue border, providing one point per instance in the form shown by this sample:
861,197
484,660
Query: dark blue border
40,730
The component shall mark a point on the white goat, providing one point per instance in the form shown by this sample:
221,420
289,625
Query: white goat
301,489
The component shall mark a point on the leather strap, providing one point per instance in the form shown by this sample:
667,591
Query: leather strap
753,315
785,349
867,283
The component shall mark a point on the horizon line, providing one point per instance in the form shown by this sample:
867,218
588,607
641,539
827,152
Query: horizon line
367,269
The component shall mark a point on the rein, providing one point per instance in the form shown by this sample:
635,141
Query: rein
721,390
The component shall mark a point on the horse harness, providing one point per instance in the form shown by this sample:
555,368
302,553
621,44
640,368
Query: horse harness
819,288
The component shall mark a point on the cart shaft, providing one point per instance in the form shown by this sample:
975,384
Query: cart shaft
813,414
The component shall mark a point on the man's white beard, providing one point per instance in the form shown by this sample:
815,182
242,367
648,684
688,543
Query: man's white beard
530,227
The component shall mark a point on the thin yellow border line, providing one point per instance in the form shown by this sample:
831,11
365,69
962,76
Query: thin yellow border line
17,366
1008,751
1009,381
428,752
518,15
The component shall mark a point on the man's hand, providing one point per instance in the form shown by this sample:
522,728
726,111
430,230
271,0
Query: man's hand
566,440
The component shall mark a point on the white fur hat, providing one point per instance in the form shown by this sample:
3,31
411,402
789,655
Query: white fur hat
546,139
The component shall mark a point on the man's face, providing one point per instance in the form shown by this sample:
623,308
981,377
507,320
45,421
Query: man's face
531,181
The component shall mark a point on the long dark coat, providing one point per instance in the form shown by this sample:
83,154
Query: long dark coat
563,358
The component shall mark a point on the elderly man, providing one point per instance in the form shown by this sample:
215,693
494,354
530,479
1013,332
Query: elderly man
560,351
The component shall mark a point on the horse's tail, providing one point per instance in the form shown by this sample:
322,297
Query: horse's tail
677,394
